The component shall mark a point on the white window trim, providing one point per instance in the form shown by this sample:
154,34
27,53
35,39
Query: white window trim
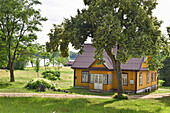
140,78
147,77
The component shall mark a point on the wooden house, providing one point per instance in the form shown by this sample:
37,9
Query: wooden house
88,74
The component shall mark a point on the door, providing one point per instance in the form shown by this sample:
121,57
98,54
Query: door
98,81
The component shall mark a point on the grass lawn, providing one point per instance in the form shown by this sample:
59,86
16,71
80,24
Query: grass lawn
80,105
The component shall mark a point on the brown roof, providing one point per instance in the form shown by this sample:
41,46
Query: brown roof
85,60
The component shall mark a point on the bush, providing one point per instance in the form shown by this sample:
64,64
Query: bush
51,75
121,97
160,82
33,84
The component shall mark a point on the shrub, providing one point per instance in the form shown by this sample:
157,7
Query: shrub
51,75
121,97
33,84
160,82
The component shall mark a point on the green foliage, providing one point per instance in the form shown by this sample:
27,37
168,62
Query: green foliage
3,54
20,65
33,84
18,23
56,59
120,97
165,72
160,82
51,75
37,65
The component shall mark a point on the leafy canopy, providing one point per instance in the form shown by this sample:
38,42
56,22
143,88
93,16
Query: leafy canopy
125,24
18,23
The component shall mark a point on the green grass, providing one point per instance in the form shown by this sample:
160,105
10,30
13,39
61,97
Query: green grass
23,76
80,105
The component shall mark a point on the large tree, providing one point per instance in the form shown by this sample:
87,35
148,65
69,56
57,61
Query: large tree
18,23
127,25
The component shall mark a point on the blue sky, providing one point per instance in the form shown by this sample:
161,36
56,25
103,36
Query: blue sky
57,10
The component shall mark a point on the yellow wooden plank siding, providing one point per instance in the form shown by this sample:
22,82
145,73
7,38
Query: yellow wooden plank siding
97,65
131,76
78,80
144,79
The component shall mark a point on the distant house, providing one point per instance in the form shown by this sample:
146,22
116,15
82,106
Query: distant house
69,63
88,74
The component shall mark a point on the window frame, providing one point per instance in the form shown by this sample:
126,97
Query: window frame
147,78
152,76
140,78
106,75
92,82
111,75
126,78
87,77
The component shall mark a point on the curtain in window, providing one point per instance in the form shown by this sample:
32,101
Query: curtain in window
125,79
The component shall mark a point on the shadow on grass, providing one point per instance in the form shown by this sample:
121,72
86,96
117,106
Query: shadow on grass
165,100
84,91
78,105
4,85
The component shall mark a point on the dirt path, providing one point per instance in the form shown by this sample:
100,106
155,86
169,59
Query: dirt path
79,96
50,95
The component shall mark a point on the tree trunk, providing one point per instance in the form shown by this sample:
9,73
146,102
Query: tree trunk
118,72
32,64
11,68
44,60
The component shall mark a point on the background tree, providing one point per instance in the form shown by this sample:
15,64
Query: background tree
56,59
127,25
165,72
37,65
18,22
3,55
44,54
60,61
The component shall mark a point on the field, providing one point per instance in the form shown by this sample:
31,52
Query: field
52,105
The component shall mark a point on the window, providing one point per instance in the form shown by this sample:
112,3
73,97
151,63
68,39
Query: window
91,78
140,78
125,78
85,76
105,80
147,77
152,77
155,76
110,78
